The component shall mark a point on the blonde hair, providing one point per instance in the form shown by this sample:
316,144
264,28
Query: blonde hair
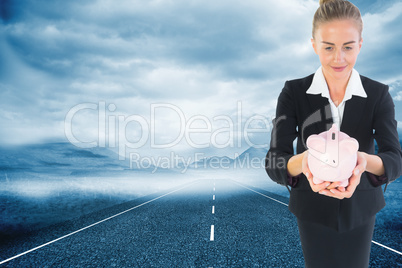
331,10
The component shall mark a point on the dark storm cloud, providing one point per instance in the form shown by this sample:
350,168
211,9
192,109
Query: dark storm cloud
201,56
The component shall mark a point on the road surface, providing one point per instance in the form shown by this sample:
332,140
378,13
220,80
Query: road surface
207,223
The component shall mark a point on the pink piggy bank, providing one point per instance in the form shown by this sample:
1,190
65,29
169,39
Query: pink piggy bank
332,156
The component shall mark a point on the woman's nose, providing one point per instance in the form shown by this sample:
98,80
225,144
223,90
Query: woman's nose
339,55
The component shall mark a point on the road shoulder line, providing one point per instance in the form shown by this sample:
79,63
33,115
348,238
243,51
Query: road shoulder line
96,223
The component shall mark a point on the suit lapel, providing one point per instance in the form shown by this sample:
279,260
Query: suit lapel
321,116
320,112
353,114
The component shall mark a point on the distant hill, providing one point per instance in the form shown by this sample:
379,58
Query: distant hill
212,162
253,152
60,158
247,159
66,159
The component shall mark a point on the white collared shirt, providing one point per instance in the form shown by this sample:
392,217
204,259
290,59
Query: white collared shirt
354,87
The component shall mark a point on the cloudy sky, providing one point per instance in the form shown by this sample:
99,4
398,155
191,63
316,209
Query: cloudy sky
178,75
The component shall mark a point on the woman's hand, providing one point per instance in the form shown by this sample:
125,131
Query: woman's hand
315,187
354,180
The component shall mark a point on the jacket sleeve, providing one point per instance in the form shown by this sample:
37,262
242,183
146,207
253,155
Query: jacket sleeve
284,132
386,136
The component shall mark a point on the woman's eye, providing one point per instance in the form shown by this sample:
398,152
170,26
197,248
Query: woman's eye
348,48
328,48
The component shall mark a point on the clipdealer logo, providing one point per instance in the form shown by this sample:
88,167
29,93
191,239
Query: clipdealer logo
115,130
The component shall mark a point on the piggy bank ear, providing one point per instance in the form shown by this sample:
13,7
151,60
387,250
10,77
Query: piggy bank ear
316,143
351,145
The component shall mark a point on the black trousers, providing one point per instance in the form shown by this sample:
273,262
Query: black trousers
325,247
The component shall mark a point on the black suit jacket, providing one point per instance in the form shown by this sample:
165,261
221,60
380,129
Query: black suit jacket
300,115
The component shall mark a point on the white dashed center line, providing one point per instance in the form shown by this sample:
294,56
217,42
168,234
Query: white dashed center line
212,233
212,237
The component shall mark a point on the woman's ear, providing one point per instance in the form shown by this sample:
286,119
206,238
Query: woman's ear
314,45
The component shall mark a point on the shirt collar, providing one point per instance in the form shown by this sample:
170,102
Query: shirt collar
354,87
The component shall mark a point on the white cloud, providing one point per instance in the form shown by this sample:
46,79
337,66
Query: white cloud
398,97
381,55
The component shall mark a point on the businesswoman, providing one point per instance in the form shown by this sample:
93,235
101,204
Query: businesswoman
335,223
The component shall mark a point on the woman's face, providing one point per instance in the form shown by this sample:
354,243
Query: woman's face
337,44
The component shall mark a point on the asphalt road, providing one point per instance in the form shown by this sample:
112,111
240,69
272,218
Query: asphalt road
207,223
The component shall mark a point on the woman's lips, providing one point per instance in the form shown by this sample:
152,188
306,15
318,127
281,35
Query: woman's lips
338,69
